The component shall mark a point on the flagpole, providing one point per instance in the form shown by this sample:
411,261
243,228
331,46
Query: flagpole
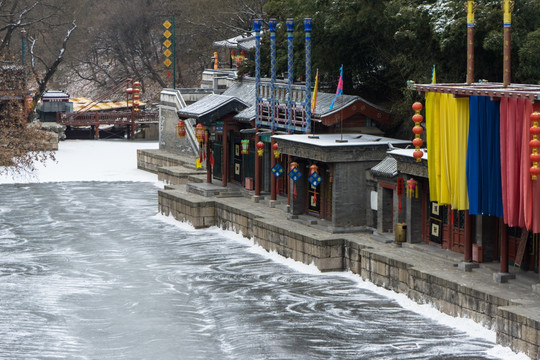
341,118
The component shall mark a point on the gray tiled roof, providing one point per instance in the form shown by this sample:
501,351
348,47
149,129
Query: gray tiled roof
212,108
244,92
386,168
244,42
324,100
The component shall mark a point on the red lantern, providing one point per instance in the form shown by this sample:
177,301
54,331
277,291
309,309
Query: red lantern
129,90
199,132
535,144
417,106
293,165
417,130
260,148
276,151
181,129
417,118
313,169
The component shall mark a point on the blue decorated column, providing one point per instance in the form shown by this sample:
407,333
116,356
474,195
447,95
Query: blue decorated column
290,63
257,29
272,25
307,29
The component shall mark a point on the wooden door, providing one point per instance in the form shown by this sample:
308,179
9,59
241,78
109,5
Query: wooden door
457,237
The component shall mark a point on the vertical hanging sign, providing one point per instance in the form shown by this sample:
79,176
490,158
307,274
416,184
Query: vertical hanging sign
168,43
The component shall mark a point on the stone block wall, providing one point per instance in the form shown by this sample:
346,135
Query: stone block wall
151,161
447,296
518,331
201,214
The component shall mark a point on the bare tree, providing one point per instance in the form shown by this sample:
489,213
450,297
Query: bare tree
45,72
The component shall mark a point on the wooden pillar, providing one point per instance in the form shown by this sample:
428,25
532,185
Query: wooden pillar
504,247
96,136
225,155
507,10
470,41
208,164
258,170
467,256
273,179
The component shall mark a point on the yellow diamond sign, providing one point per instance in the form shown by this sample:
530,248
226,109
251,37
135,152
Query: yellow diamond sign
167,24
167,62
167,53
167,34
167,43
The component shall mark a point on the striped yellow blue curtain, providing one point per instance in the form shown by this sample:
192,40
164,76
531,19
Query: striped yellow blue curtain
447,127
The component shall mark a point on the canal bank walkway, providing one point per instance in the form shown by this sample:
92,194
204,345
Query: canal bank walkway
425,273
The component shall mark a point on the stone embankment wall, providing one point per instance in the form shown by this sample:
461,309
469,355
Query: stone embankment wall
384,265
337,254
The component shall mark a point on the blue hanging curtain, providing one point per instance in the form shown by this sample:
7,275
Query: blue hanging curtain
484,158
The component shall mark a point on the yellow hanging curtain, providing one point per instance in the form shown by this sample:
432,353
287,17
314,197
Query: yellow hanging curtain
447,128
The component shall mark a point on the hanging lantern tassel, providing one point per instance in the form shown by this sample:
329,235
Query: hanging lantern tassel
534,145
412,188
417,130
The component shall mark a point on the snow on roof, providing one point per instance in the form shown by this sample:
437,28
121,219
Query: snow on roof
332,140
244,42
407,153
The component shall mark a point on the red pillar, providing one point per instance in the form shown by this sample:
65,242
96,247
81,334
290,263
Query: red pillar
208,164
468,237
289,160
504,247
258,170
225,159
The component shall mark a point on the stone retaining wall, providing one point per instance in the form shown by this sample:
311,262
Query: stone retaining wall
334,254
517,331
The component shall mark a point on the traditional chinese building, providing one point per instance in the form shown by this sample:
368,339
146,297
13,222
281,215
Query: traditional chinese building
482,146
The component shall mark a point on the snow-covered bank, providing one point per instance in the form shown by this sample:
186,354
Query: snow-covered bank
90,160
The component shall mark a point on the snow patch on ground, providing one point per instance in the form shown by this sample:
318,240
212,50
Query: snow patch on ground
90,160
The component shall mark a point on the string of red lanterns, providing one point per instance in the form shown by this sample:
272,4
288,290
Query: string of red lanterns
136,96
535,144
417,130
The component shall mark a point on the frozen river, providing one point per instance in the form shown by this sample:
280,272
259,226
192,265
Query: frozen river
89,270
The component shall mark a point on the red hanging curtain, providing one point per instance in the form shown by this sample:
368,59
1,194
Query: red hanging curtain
521,201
